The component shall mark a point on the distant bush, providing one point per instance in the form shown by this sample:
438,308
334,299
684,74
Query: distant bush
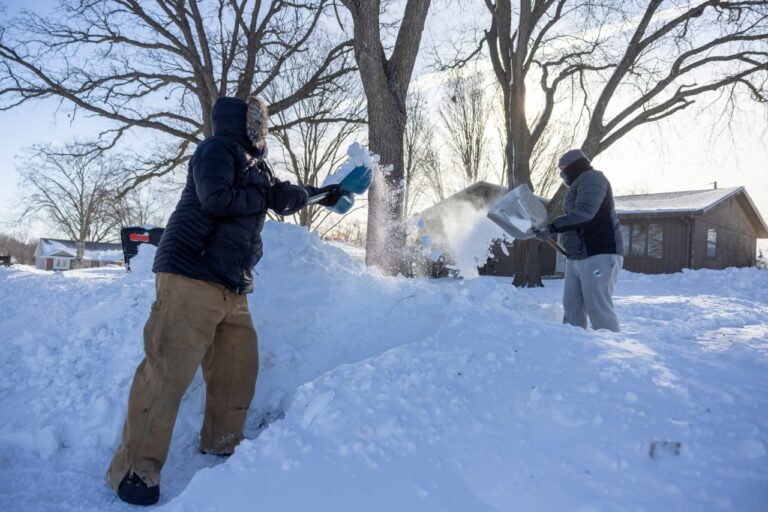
421,264
20,251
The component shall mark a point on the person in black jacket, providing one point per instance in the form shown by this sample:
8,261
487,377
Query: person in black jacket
204,268
591,235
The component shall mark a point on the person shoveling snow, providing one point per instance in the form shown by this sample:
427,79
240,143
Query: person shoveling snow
593,243
204,268
592,235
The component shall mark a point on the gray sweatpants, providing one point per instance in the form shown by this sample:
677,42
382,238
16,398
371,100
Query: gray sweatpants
589,289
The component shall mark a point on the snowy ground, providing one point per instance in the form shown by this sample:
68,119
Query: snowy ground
394,394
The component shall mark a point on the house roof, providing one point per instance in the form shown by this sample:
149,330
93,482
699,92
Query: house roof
689,202
67,248
693,201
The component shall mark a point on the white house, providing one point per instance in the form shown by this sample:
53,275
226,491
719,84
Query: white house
53,254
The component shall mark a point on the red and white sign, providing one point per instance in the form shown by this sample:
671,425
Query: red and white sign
139,237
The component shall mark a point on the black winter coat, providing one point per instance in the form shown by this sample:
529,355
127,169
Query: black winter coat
214,234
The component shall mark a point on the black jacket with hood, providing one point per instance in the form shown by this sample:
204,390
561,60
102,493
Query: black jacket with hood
214,234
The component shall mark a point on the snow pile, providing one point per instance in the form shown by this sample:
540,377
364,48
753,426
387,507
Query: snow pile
108,255
380,393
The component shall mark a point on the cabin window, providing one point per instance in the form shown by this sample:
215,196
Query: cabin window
60,263
644,240
639,238
655,240
712,243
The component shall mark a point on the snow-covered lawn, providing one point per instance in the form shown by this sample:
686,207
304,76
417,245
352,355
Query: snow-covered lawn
395,394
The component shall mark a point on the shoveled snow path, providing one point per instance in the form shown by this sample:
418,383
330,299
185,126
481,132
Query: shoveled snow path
403,394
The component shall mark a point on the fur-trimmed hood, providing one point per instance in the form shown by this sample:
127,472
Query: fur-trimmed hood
257,123
247,121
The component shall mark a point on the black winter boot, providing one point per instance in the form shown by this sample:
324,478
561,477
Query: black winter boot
133,490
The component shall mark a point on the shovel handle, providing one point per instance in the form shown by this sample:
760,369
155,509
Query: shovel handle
556,246
317,198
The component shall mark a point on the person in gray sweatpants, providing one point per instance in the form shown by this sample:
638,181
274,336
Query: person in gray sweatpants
591,236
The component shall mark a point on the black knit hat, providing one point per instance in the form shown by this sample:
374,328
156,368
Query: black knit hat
570,157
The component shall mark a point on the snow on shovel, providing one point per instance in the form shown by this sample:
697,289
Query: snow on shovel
354,176
356,182
518,212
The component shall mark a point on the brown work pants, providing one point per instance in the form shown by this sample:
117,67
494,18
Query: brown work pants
192,322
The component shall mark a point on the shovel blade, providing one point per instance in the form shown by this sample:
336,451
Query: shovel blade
358,180
518,212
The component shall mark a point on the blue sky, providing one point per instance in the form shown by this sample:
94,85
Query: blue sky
683,153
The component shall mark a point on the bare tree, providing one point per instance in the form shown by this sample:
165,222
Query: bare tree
140,207
72,190
523,42
160,65
652,59
21,251
433,172
419,154
385,81
558,137
312,149
465,113
673,55
423,169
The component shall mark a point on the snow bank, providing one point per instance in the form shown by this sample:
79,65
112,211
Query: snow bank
380,393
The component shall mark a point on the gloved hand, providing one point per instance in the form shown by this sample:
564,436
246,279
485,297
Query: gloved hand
334,194
286,199
542,233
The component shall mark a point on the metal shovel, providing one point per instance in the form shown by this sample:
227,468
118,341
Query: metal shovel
518,212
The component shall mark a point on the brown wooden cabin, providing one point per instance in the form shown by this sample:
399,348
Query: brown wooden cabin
481,196
665,233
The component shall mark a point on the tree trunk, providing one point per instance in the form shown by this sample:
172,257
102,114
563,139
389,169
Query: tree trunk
385,81
77,262
386,230
527,264
519,148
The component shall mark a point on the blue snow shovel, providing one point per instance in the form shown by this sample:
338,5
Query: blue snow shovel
356,182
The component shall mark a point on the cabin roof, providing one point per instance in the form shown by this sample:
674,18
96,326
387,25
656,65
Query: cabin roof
689,202
67,248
